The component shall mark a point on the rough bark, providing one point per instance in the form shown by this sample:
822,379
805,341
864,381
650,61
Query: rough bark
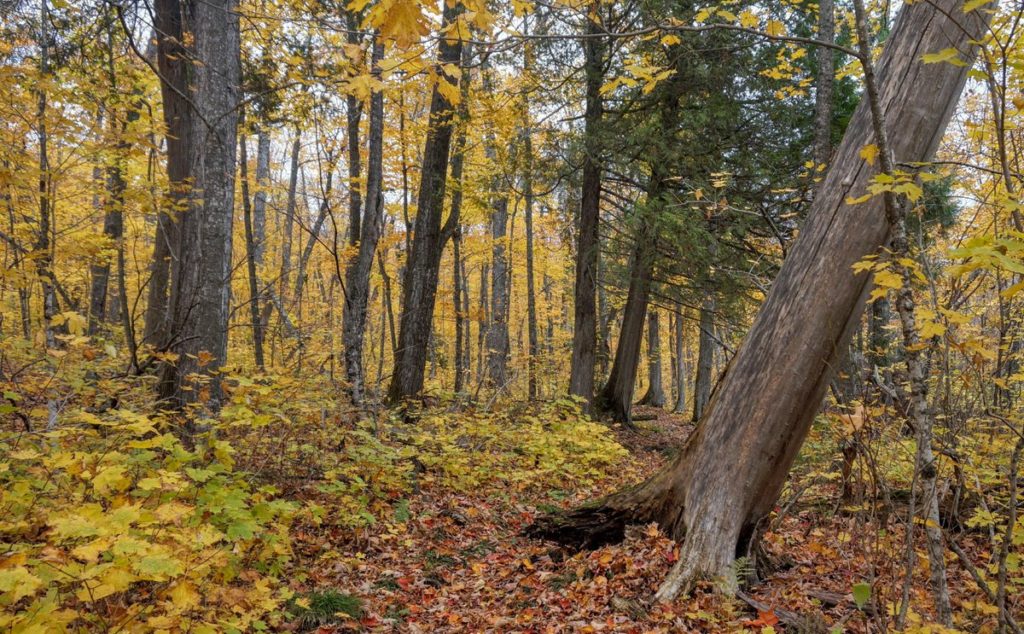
497,332
705,358
357,272
616,398
655,396
584,338
173,64
353,115
824,84
424,259
727,477
201,275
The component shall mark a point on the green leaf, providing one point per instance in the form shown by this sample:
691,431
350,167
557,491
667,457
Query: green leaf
861,594
402,514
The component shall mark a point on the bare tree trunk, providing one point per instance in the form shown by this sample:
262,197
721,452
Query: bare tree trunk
174,64
484,323
201,275
823,84
424,260
43,246
259,202
680,361
458,271
584,339
497,333
461,361
353,114
705,359
289,220
617,396
655,396
727,477
357,273
250,258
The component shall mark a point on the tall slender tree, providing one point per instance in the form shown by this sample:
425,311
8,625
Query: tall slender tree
424,260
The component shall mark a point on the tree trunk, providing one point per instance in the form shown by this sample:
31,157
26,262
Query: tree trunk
353,114
461,361
680,361
201,275
174,64
584,337
705,359
251,248
497,333
727,477
455,214
424,259
259,201
357,273
483,322
289,219
823,85
617,396
43,246
655,396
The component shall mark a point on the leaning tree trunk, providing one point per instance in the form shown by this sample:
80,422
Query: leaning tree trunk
727,477
617,396
424,259
201,275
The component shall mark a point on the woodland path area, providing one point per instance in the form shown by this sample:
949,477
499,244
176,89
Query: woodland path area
458,562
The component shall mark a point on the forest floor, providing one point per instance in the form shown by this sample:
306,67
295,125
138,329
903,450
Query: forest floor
457,562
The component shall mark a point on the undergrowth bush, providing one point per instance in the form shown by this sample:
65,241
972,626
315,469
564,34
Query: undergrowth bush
110,522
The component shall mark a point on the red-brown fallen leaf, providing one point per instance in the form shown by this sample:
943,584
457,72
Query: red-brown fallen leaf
764,618
404,583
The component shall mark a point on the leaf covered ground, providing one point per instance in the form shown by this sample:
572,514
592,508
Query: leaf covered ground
456,561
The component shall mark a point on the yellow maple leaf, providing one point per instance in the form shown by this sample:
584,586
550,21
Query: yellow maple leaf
869,153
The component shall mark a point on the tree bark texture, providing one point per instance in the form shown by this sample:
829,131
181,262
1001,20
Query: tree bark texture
250,259
357,272
705,358
173,62
201,275
680,367
584,337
